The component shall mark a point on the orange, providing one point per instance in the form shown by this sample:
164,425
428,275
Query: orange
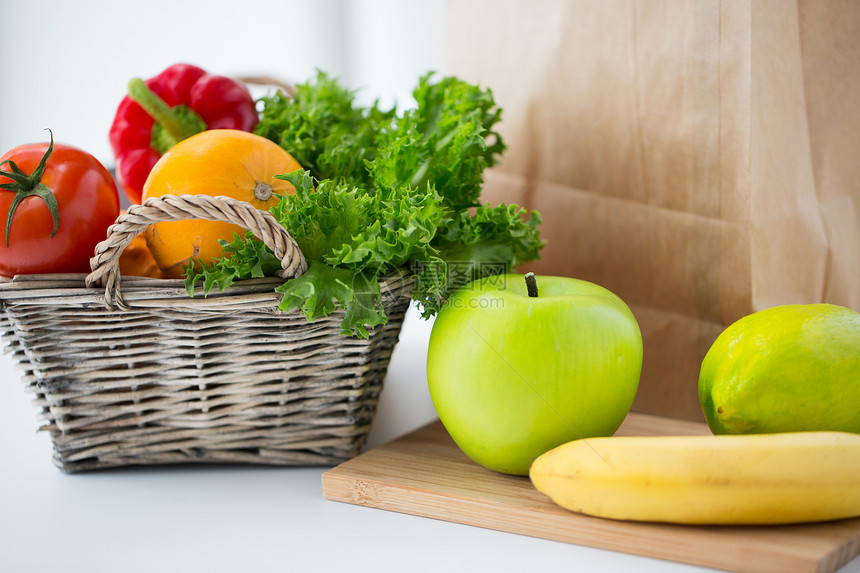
228,162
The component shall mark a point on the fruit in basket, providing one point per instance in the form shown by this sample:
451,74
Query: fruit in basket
789,368
215,162
165,109
515,371
57,202
726,480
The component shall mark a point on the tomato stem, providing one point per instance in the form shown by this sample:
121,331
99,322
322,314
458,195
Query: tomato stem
531,285
24,186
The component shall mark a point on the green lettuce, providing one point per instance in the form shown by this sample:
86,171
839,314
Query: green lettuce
323,128
382,193
443,141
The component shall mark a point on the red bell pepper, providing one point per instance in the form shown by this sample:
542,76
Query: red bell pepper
162,111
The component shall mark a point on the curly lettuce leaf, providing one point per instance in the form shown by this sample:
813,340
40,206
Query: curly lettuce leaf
430,288
244,258
447,141
348,227
324,130
466,235
323,289
491,241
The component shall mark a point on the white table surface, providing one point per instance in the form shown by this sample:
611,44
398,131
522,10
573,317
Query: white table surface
218,518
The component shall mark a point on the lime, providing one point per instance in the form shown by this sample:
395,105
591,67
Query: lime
789,368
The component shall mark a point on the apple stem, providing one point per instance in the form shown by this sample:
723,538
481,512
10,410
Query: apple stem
531,285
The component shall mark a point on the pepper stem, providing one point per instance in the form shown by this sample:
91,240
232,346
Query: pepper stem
176,123
531,285
24,186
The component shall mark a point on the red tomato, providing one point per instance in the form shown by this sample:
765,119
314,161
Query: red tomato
87,204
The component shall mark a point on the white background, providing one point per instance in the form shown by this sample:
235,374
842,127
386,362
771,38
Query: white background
66,66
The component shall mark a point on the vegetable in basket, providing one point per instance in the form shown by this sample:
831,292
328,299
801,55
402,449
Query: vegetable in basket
177,103
383,193
325,131
226,162
58,202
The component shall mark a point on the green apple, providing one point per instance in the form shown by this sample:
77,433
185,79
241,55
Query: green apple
516,369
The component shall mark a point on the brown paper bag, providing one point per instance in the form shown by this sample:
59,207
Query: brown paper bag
701,159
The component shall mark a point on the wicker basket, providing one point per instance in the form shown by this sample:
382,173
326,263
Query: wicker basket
148,375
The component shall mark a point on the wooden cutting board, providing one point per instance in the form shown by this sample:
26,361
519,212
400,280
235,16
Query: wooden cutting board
425,474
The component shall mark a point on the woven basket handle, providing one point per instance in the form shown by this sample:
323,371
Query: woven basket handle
105,263
286,87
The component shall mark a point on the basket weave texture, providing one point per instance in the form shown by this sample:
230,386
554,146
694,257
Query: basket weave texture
144,374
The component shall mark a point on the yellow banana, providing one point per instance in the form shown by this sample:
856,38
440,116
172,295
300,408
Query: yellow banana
732,479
